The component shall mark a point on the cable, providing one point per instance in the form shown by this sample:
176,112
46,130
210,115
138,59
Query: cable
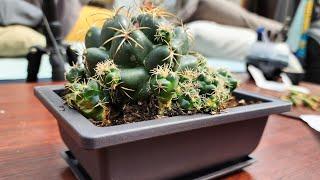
52,38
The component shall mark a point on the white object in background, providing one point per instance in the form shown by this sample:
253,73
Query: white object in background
221,41
16,68
312,120
271,51
262,82
294,65
287,81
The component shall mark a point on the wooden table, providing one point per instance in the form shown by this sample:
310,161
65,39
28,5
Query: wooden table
30,142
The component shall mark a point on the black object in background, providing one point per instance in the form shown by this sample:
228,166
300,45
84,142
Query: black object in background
58,53
34,59
312,60
274,9
271,69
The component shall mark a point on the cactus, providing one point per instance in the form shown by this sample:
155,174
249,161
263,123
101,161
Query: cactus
301,99
133,81
145,62
160,55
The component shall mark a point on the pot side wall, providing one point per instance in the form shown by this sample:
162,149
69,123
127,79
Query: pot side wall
171,155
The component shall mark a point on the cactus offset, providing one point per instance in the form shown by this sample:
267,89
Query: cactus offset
164,83
188,96
76,74
108,74
87,98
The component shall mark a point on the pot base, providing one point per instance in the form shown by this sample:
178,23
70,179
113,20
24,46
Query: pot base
206,174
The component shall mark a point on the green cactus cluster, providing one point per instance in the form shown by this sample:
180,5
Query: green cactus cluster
136,60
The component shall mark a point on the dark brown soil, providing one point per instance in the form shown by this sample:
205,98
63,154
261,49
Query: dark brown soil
143,111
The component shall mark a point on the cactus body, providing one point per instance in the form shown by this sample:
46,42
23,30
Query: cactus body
230,81
127,52
93,56
207,83
151,24
92,38
132,78
187,62
180,41
108,29
188,96
87,97
159,56
108,74
164,33
164,83
76,74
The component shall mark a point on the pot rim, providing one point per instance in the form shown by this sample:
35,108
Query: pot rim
89,136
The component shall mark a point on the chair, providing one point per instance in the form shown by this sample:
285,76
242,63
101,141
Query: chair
57,51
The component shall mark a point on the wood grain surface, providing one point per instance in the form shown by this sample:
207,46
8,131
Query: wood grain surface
30,142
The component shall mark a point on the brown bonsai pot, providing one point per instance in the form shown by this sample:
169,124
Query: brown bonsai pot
163,148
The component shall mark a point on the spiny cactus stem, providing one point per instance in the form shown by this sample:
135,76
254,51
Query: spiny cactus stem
159,37
163,70
190,89
155,11
105,66
76,93
172,56
102,69
117,11
121,43
114,37
160,28
126,37
189,34
189,74
160,87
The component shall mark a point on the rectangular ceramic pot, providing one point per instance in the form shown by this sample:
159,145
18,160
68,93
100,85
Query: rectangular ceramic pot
162,148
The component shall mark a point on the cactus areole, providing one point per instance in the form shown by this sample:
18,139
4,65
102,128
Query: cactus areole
140,68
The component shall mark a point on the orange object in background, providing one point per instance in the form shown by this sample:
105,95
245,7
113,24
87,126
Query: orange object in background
89,16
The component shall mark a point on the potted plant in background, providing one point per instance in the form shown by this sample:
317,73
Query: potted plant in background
143,106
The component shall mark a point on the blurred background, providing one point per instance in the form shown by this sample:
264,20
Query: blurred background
39,40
